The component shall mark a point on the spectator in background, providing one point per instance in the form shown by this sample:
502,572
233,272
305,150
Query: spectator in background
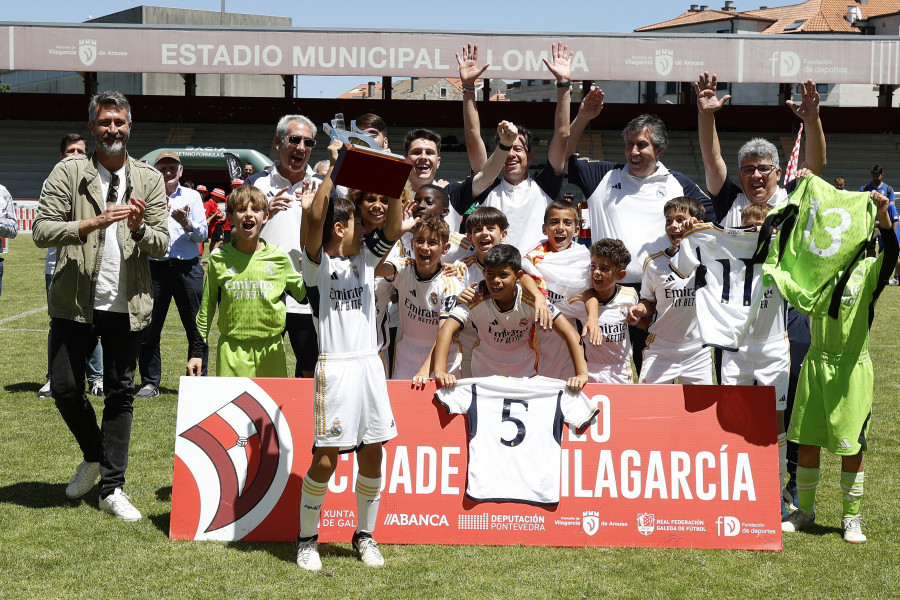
9,225
839,183
878,184
248,170
177,275
72,144
218,196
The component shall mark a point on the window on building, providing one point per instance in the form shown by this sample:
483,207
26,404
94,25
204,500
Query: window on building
443,92
673,87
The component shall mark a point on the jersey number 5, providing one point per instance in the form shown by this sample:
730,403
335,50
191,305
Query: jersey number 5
507,407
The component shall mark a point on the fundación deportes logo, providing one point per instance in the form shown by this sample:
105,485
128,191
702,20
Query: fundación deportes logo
728,526
785,64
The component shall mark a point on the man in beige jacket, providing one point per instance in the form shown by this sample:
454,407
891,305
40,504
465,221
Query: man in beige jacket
106,214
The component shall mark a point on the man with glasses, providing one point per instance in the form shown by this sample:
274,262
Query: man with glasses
759,172
284,183
758,167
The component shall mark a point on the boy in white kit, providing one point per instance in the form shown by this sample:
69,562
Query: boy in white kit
561,268
610,362
501,314
425,296
486,228
352,408
764,357
674,350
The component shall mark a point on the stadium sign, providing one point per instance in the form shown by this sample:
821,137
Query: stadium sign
682,467
295,51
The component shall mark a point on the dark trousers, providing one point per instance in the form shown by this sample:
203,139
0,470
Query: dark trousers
70,346
799,337
304,341
183,281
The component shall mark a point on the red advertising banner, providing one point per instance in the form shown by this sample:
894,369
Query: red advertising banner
659,466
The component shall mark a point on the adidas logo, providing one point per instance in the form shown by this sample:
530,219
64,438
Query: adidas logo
617,186
845,444
669,279
334,277
412,293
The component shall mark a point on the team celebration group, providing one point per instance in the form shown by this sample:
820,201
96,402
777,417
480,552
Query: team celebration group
481,277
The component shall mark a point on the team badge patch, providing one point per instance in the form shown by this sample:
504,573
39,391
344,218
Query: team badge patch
590,521
269,269
433,298
336,429
646,523
523,322
355,271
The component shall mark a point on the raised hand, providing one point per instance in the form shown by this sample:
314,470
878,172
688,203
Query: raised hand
508,133
809,104
561,64
469,71
705,88
592,103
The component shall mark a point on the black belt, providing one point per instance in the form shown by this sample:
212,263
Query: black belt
178,262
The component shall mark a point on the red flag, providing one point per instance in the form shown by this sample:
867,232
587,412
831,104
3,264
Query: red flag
791,172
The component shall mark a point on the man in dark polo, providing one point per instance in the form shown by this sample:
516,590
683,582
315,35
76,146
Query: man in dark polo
106,212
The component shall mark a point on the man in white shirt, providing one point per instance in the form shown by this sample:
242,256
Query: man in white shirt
283,184
177,275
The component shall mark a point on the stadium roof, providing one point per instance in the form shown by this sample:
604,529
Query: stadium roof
812,16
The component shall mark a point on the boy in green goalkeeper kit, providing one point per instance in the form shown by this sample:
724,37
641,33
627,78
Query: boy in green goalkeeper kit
247,280
834,395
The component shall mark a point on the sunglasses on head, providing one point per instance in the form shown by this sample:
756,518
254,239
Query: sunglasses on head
296,139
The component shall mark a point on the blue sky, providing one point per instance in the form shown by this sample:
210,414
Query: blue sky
581,16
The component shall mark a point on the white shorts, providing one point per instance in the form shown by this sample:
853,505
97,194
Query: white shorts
599,373
760,362
554,359
666,361
352,406
410,354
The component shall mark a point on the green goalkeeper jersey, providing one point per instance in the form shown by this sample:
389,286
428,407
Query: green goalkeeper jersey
822,233
848,335
248,290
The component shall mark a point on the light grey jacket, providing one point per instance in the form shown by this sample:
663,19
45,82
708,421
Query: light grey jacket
71,193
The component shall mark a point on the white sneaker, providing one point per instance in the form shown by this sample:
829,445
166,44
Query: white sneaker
119,505
368,549
797,521
308,554
853,529
86,475
95,388
44,392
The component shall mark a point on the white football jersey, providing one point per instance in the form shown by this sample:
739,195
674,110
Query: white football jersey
342,293
674,295
729,284
515,435
505,337
423,303
616,347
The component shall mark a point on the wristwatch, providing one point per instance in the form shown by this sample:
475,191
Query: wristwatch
139,234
